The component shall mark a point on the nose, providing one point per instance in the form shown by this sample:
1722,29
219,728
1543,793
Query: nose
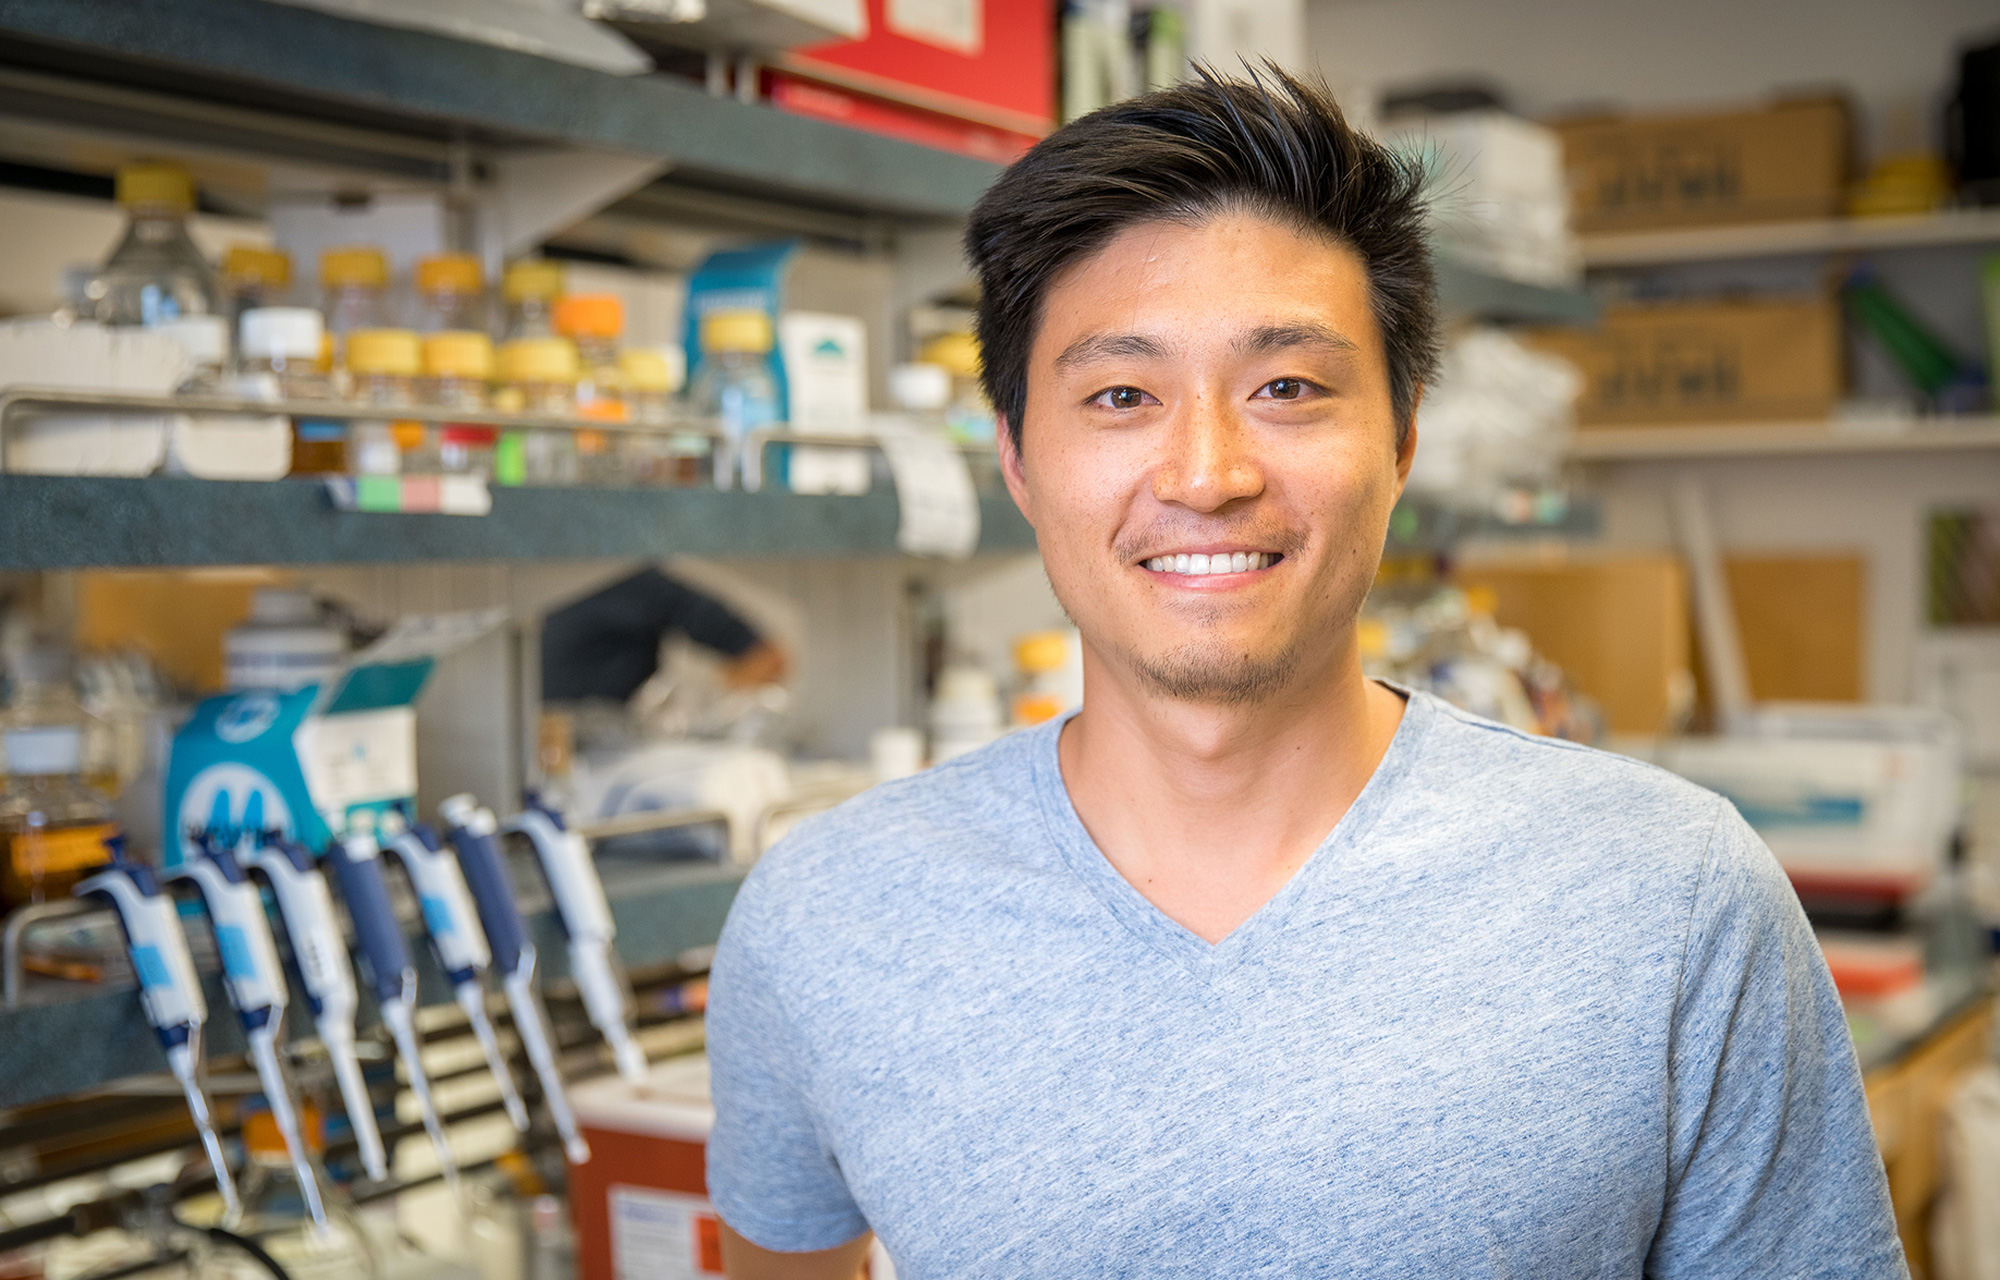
1210,457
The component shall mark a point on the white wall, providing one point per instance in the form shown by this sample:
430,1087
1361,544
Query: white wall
1895,57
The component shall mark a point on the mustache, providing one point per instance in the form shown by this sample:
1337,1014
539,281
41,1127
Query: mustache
1163,536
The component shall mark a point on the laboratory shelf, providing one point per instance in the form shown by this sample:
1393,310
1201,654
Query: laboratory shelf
1466,290
71,522
1783,439
304,69
66,1037
1791,239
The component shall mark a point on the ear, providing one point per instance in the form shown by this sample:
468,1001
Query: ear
1406,452
1011,468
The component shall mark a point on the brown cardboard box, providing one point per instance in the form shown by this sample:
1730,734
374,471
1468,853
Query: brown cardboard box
1617,625
1790,160
1739,361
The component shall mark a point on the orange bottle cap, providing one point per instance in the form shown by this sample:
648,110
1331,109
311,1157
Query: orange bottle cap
590,315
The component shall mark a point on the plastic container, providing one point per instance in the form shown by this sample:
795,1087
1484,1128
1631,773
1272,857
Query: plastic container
278,352
355,283
734,389
458,367
640,1204
274,1214
965,712
595,322
647,457
530,288
52,823
967,414
382,367
283,645
451,293
254,277
156,274
1049,667
537,375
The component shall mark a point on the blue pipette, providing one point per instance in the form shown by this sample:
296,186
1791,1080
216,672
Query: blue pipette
385,960
255,981
169,990
320,950
456,940
473,834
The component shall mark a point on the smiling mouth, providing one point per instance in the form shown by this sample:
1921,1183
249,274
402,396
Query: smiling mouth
1199,565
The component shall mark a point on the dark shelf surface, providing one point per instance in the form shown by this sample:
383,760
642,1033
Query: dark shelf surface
313,66
64,522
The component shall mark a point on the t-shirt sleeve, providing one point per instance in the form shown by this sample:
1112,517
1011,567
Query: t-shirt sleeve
771,1173
1772,1163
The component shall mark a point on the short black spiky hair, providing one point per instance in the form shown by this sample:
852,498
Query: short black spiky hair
1270,144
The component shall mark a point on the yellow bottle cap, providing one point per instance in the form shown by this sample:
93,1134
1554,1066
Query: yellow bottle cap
589,315
538,360
532,278
646,370
1039,652
148,183
450,273
458,354
747,331
394,353
356,265
254,264
958,352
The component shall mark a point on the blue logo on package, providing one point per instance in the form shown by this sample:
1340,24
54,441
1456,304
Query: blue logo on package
235,771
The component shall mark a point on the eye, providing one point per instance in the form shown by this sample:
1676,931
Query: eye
1285,389
1121,398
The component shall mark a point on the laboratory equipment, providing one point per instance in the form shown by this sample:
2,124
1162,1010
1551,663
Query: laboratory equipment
538,376
354,279
382,365
278,350
586,920
457,367
306,1248
53,825
320,951
385,958
255,981
169,990
594,322
156,275
472,832
456,939
530,288
284,645
451,294
734,389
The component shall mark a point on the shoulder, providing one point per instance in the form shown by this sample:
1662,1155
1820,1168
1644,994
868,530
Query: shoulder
1572,802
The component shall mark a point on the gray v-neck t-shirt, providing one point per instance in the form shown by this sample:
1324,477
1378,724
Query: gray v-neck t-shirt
1530,1010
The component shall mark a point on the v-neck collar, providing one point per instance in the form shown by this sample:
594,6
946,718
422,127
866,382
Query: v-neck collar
1153,927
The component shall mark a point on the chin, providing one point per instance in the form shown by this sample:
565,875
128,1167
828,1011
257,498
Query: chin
1218,673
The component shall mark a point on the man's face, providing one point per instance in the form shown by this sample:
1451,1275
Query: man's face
1215,395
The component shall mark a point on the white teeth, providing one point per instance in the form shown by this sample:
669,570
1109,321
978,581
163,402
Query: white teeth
1221,562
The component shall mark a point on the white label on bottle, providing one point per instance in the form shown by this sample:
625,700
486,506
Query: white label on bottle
663,1235
940,508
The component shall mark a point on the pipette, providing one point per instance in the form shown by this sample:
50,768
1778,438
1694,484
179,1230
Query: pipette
586,919
456,940
320,950
471,831
169,990
385,959
255,981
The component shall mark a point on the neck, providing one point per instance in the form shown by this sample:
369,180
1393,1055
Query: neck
1208,809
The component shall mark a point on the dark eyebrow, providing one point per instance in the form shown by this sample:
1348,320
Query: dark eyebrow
1279,337
1099,346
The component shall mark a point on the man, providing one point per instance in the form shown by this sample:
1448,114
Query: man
604,647
1255,967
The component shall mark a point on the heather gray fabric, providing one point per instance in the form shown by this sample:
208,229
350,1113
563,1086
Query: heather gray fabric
1531,1010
